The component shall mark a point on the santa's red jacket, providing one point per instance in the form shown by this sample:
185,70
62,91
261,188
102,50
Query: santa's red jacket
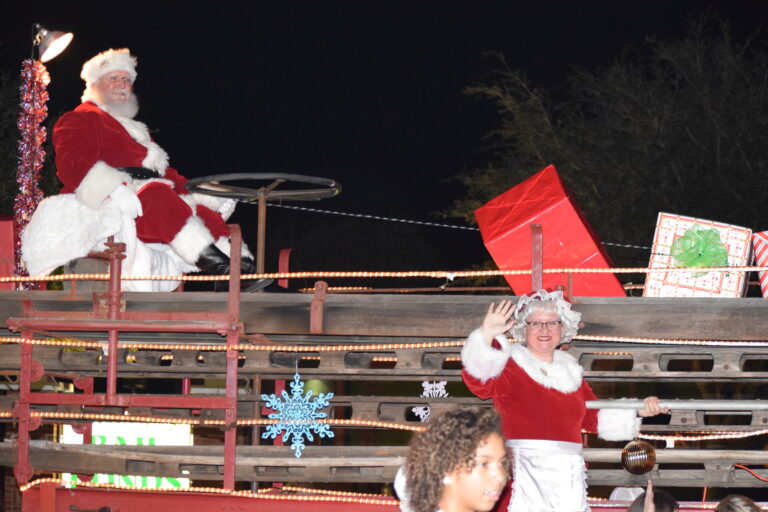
91,145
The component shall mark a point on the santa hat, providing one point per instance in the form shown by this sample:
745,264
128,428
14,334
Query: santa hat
110,60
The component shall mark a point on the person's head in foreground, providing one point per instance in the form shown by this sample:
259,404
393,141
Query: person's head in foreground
653,500
459,464
737,503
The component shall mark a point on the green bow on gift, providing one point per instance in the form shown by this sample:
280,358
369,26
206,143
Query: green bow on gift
699,247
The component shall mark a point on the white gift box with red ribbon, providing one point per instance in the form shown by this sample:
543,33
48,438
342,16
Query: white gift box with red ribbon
693,283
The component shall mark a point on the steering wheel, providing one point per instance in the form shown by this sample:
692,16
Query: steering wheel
216,185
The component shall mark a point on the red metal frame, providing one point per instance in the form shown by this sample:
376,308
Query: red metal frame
283,263
49,498
112,320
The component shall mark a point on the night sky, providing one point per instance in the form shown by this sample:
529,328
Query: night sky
367,93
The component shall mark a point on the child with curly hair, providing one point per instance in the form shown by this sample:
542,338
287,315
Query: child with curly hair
459,464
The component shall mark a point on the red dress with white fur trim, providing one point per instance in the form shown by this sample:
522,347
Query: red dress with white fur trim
541,402
532,410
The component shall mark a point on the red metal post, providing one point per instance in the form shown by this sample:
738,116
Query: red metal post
316,308
261,234
537,257
283,266
23,469
233,337
114,294
86,429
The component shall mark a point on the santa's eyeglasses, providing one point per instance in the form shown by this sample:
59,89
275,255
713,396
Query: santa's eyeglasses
114,79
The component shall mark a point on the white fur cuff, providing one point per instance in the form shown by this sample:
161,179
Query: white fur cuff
212,202
224,246
190,241
481,360
99,183
618,424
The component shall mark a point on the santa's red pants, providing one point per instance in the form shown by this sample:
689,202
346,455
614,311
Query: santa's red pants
165,213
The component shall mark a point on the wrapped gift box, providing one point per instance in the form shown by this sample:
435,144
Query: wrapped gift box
760,248
669,227
568,240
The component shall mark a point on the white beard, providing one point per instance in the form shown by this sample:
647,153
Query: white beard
127,109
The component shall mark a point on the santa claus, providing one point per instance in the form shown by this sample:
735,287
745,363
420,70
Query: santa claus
117,181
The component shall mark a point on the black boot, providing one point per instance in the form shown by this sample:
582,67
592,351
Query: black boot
248,266
213,261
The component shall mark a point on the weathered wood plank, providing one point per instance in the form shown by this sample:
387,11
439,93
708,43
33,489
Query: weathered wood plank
603,362
360,463
440,316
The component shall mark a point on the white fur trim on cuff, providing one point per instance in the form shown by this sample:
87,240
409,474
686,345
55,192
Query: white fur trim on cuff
190,241
156,159
224,246
100,181
481,360
618,424
212,202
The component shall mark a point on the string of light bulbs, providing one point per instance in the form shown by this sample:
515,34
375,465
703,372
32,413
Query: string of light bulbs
437,274
252,422
365,347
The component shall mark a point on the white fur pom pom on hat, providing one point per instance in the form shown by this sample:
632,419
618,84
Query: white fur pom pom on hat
110,60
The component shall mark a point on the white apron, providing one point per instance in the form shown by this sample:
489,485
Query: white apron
549,476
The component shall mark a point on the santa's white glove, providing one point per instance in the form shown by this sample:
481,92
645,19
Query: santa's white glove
127,201
227,208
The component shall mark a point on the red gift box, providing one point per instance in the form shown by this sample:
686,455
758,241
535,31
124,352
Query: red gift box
569,242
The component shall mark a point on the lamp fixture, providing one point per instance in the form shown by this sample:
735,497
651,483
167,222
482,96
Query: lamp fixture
50,43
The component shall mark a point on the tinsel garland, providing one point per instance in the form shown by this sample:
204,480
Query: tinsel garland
33,109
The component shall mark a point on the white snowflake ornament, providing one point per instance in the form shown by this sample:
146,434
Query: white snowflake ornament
431,389
297,415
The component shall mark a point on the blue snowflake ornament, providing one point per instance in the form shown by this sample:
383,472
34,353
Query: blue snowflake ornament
297,415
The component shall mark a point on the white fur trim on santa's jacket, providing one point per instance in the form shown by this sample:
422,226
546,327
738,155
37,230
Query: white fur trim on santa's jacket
100,181
190,241
563,373
481,360
157,158
63,229
618,424
224,246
